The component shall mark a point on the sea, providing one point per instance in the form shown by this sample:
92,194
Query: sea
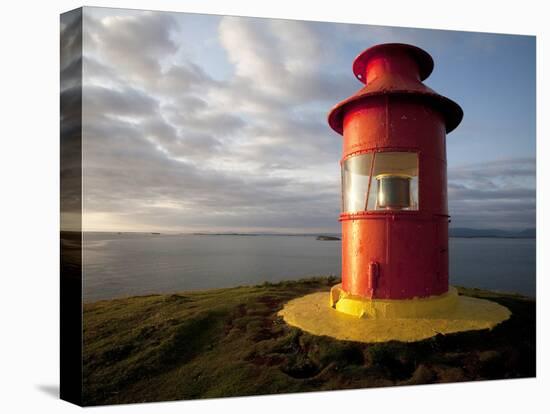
128,264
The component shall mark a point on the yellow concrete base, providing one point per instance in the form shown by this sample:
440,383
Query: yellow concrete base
384,320
393,309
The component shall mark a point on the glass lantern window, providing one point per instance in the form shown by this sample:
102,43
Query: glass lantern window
380,181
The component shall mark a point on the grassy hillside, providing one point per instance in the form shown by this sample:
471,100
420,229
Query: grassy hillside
230,342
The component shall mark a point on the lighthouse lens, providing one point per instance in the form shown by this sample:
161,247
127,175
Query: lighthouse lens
395,177
394,192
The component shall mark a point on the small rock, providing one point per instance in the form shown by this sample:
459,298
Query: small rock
422,375
488,356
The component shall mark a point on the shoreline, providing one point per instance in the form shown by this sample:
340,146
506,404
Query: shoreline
517,295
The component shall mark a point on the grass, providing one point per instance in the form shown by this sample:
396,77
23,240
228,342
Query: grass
230,342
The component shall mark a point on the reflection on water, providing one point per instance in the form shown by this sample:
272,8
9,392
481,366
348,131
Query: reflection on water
128,264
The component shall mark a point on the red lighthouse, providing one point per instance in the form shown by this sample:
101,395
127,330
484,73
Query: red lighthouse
395,259
394,177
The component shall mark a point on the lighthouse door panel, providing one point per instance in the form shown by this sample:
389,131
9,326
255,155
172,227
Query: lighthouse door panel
411,264
441,274
364,244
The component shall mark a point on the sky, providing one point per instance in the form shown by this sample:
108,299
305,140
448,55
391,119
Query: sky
213,123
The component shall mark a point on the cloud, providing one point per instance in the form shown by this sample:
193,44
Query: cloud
168,147
126,102
493,194
283,59
70,112
135,45
71,50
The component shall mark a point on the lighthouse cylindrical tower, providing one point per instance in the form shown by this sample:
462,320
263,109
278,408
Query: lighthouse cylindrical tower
395,266
394,178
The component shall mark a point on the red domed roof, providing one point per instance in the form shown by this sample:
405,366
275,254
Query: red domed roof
396,69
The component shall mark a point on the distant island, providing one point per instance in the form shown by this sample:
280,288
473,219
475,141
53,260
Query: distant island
317,235
508,234
457,232
226,234
326,238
